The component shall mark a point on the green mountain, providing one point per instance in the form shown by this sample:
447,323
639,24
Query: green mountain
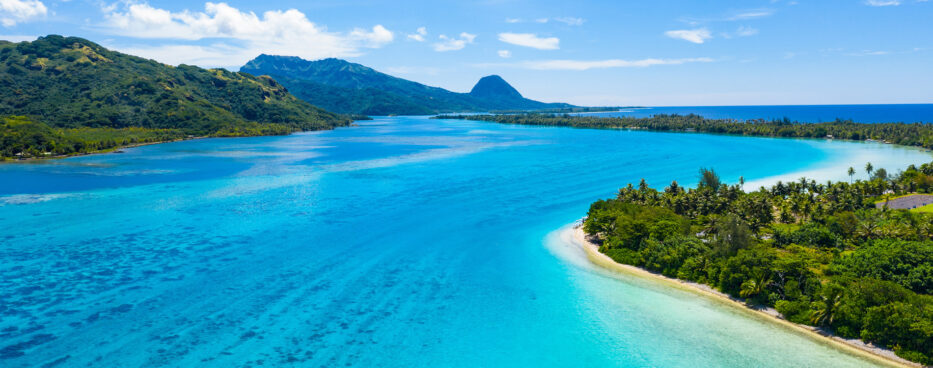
350,88
494,86
71,84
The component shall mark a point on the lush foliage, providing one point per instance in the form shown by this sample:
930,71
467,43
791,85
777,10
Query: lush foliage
72,83
345,87
565,110
908,134
821,254
21,137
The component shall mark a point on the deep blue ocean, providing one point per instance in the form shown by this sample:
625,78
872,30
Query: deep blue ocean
401,242
905,113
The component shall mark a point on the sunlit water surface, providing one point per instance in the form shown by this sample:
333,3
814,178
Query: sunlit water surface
402,242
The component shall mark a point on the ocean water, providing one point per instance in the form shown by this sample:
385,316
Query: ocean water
903,113
402,242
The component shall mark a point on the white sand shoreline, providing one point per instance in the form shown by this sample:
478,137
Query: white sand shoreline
855,347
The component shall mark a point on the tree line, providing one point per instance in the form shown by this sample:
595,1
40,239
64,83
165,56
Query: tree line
820,254
907,134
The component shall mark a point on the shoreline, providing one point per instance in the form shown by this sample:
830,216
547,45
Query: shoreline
98,152
856,347
133,145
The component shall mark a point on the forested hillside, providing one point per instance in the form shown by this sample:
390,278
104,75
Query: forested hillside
69,83
351,88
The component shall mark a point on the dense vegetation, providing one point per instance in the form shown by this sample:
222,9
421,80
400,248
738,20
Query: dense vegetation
563,110
350,88
368,100
21,137
908,134
90,96
821,254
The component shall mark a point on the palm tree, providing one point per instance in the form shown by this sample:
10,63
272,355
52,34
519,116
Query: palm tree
851,173
869,169
868,223
826,308
755,285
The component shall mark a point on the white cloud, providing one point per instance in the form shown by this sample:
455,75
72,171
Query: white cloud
505,54
218,54
530,40
597,64
869,53
16,11
419,34
18,38
742,31
453,44
377,37
698,35
244,34
882,2
570,21
751,14
746,31
731,17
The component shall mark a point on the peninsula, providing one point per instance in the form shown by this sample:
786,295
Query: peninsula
821,255
908,134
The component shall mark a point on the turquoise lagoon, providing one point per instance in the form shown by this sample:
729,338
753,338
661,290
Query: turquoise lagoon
401,242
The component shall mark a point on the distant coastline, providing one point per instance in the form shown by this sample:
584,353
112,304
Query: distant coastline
853,346
863,113
904,134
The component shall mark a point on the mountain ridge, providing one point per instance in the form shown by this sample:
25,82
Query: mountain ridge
342,86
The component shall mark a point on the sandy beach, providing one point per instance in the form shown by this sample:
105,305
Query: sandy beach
872,353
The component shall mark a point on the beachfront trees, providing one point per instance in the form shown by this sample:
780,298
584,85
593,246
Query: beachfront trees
730,234
827,305
907,263
851,173
820,254
709,179
756,285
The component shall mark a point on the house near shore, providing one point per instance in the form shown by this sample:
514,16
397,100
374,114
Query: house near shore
907,202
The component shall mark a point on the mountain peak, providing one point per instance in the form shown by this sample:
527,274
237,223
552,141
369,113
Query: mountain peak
347,87
286,65
494,86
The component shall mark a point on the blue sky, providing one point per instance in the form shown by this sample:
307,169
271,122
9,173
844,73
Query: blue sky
582,52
